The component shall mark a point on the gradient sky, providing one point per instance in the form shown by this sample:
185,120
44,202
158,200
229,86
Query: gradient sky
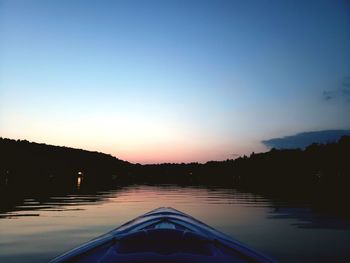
172,81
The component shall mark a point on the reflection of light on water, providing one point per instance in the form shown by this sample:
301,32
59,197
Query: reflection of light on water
240,214
79,179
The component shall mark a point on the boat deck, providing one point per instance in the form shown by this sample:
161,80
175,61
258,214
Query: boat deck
163,235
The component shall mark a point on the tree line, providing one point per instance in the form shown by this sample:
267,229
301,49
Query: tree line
318,166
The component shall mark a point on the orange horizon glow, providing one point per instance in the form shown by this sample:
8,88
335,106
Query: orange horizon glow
164,152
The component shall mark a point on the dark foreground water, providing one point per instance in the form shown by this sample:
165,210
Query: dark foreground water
35,227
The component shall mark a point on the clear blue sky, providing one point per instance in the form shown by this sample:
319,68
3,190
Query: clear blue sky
156,81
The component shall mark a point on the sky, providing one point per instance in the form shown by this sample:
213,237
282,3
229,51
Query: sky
172,81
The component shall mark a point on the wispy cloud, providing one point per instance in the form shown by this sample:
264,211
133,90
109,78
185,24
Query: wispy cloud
328,95
341,92
345,88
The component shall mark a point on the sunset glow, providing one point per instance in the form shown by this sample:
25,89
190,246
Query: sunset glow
172,81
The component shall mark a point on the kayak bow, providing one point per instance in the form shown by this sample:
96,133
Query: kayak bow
163,235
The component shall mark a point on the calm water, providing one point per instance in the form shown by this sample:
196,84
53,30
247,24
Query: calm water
36,228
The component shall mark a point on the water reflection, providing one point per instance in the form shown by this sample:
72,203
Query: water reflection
306,217
56,219
18,203
86,200
79,180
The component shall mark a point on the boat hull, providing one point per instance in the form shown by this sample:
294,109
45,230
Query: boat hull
163,235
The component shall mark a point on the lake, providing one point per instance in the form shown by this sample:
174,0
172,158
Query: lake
39,225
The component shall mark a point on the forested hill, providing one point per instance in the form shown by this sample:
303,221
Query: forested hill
318,165
21,159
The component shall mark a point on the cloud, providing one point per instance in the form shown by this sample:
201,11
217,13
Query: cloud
345,88
302,140
341,92
328,95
